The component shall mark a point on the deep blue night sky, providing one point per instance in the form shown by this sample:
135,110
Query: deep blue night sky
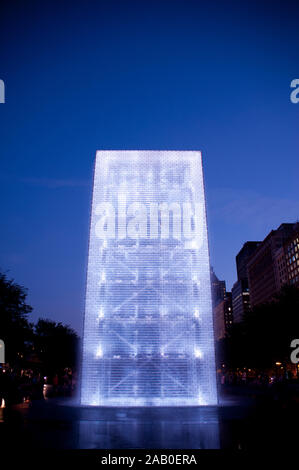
88,75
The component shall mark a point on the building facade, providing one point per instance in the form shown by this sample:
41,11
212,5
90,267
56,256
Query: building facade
240,290
222,307
218,288
223,317
240,299
270,265
288,268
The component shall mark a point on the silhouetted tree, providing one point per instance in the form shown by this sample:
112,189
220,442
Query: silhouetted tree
15,329
56,345
265,334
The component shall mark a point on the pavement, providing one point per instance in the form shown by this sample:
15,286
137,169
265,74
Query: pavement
245,419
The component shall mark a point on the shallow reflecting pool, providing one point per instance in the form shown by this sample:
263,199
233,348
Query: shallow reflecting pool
189,428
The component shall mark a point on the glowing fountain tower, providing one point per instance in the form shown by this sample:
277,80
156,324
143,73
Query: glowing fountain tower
148,329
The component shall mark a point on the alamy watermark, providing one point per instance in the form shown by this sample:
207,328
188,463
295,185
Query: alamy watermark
294,96
295,352
2,92
151,221
2,353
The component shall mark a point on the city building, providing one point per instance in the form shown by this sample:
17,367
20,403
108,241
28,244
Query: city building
243,256
281,266
222,307
288,267
218,288
223,317
240,290
228,312
240,299
272,264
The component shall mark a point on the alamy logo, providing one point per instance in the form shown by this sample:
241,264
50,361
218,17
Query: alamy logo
294,96
2,352
151,221
295,353
2,92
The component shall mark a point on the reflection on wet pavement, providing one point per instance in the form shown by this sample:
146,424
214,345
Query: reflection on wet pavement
158,428
244,421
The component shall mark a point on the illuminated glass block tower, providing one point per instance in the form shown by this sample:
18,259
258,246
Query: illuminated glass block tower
148,330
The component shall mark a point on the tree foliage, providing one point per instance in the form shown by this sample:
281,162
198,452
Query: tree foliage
15,329
265,334
54,345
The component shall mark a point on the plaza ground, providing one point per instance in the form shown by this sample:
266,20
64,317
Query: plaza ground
247,418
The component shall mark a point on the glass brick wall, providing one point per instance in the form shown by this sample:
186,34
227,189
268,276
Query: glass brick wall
148,328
